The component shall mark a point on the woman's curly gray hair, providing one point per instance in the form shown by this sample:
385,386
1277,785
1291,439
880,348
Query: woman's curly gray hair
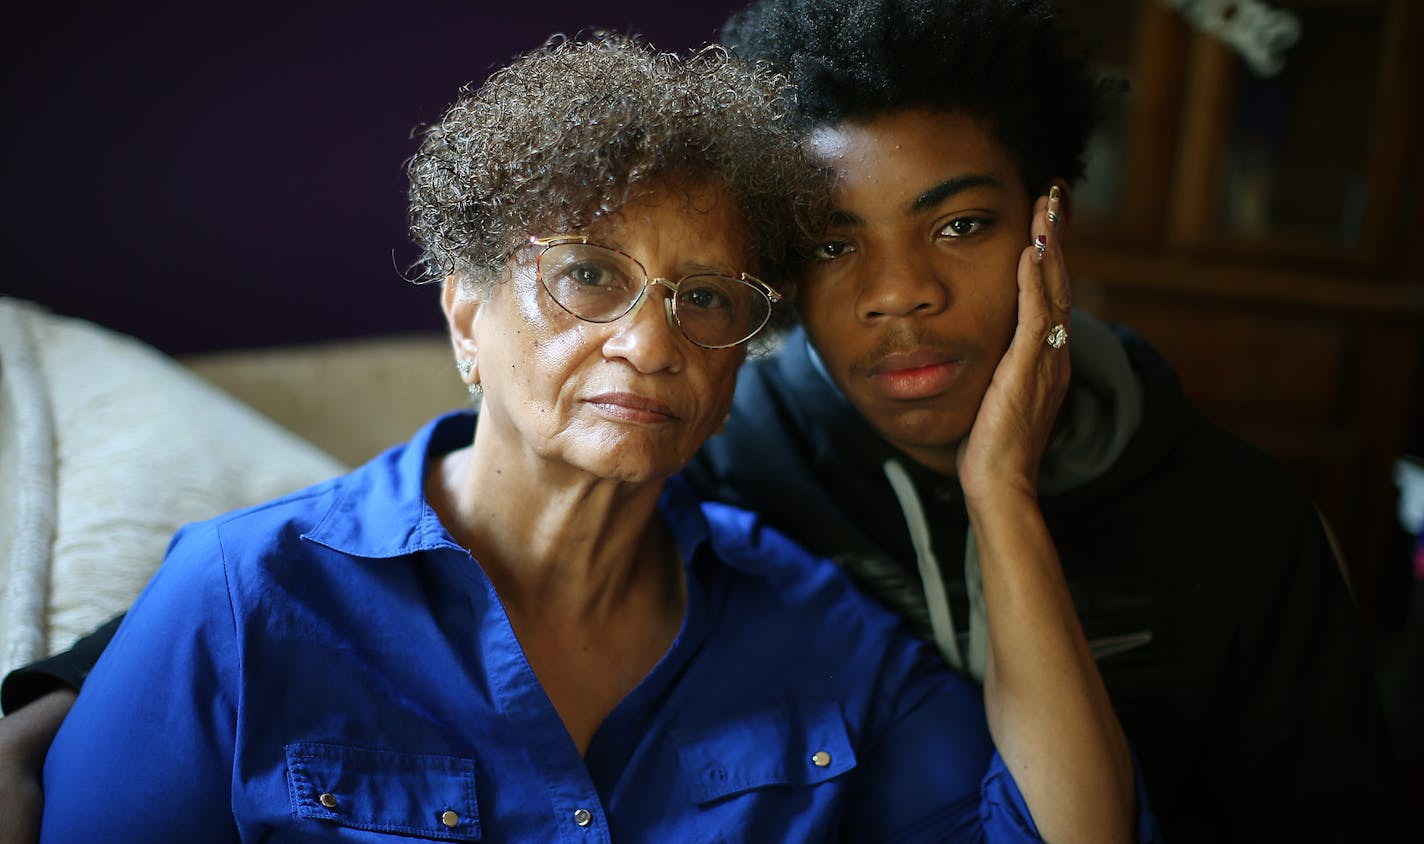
560,136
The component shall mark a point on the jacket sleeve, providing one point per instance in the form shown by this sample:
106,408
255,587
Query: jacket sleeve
146,753
29,683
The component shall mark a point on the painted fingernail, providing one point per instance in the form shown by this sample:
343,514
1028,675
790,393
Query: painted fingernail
1053,195
1040,243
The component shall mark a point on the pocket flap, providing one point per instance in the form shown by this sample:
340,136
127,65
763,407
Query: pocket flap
384,791
785,746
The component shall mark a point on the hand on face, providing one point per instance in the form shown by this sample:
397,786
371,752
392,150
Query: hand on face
631,399
1011,431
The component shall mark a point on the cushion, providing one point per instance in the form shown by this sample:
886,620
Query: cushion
106,448
352,398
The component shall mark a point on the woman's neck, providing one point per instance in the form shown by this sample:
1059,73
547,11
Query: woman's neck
551,538
587,572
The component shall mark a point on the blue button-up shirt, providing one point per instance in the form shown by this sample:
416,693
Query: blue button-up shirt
333,666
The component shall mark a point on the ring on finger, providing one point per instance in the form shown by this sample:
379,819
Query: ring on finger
1057,336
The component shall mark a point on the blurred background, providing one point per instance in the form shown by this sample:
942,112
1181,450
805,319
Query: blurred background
1253,207
216,176
1263,229
210,177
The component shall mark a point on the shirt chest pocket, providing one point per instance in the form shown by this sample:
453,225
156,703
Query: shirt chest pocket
422,795
774,747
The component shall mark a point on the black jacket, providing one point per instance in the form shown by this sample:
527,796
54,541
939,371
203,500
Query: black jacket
1251,708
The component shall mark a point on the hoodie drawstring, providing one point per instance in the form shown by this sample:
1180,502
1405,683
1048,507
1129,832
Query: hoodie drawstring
932,580
941,618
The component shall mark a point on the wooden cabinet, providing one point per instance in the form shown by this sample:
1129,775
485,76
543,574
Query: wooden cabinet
1265,233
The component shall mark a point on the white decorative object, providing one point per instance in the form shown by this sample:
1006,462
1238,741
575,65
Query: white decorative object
1255,30
1409,477
106,448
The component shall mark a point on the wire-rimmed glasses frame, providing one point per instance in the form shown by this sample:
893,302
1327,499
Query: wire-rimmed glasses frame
600,284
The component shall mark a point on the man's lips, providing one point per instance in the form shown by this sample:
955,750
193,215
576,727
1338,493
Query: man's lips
914,375
632,407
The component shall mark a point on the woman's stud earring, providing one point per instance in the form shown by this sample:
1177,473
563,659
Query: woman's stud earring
465,365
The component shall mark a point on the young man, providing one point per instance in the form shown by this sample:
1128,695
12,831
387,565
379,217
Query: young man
1201,575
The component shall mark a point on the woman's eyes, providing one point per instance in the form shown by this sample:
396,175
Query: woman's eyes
590,274
704,297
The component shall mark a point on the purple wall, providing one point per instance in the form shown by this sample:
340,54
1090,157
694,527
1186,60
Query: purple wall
209,179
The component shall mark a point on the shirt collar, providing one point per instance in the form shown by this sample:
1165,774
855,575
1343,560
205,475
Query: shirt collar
381,510
683,511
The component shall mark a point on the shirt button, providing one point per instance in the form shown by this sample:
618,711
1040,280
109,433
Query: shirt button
328,799
821,759
583,817
449,818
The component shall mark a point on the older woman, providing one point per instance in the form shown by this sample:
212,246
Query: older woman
528,630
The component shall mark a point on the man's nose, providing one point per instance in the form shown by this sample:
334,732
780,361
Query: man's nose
901,285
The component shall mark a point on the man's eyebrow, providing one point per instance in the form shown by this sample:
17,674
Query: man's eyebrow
845,218
949,187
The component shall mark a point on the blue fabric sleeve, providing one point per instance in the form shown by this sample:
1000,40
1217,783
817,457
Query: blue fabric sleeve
933,775
928,776
146,753
1002,799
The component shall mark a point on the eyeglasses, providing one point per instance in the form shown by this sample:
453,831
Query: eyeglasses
599,284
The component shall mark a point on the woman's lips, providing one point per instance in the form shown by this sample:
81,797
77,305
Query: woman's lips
631,407
916,375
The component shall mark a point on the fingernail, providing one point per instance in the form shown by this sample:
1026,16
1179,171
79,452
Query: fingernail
1053,194
1040,243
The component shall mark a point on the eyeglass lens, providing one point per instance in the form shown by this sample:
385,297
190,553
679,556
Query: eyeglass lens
598,284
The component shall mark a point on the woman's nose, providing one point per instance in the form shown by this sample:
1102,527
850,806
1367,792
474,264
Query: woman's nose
648,336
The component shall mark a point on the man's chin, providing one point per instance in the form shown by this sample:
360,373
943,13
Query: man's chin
930,435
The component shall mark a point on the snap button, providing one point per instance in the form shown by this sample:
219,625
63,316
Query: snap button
327,799
449,818
583,817
821,759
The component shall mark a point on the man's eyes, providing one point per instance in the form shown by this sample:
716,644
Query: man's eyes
957,227
829,250
965,226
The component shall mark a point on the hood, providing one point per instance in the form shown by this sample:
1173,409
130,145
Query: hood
1099,424
796,451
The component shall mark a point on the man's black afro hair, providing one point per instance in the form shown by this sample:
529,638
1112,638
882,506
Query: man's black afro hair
1007,62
